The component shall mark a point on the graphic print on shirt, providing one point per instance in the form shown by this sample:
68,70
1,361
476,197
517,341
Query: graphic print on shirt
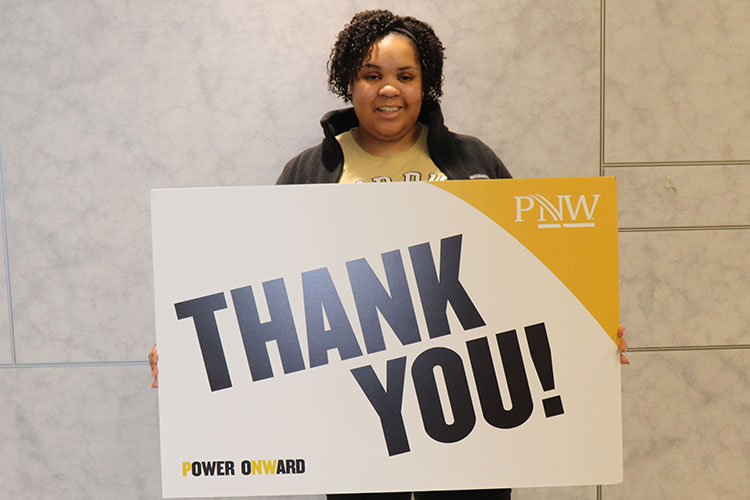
412,165
409,177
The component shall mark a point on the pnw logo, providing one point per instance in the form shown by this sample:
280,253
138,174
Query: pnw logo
559,214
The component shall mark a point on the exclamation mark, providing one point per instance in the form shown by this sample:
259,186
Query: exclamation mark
536,336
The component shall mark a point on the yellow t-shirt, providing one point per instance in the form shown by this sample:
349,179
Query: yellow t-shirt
411,165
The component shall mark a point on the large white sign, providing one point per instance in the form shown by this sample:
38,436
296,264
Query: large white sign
400,337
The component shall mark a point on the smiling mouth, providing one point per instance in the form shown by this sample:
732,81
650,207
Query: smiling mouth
389,109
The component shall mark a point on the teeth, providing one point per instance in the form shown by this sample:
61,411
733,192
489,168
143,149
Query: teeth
388,109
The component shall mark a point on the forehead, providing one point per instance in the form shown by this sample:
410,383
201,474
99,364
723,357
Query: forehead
393,46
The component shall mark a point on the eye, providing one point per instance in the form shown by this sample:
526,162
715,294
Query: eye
406,78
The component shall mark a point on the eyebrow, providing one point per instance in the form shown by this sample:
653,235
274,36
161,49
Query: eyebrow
375,66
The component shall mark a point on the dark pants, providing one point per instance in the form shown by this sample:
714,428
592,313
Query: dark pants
428,495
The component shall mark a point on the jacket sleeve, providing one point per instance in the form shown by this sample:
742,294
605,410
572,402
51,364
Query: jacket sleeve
288,174
478,160
308,167
495,165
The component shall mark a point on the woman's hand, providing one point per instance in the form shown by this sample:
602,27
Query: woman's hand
153,360
621,345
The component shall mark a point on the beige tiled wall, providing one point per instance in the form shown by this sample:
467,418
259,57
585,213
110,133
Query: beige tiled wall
685,288
100,102
676,128
676,81
685,426
682,195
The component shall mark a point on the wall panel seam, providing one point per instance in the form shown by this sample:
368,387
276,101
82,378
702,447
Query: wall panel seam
82,364
702,163
6,262
647,229
602,100
724,347
602,74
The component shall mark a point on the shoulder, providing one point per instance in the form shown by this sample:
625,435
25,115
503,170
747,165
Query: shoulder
308,167
322,163
459,156
479,159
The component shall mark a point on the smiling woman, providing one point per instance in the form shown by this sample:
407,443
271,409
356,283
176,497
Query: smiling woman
391,69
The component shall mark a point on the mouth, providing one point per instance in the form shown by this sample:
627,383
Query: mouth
388,109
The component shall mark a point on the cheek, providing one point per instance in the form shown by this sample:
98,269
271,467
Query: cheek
415,94
360,93
417,90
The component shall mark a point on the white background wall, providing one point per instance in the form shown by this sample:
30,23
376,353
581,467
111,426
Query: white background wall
100,101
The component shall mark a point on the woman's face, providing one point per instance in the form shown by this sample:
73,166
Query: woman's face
387,93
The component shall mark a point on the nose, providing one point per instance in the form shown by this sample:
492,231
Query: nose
388,90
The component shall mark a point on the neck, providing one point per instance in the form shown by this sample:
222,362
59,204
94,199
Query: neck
378,147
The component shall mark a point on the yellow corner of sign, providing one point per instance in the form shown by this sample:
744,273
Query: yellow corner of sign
569,224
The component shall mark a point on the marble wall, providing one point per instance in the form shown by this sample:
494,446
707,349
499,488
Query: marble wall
100,101
675,132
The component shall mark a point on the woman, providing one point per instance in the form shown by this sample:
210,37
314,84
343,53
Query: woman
391,70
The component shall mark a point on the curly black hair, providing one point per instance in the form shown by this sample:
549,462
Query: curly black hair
354,42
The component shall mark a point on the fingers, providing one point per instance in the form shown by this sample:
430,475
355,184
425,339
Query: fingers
622,345
153,360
